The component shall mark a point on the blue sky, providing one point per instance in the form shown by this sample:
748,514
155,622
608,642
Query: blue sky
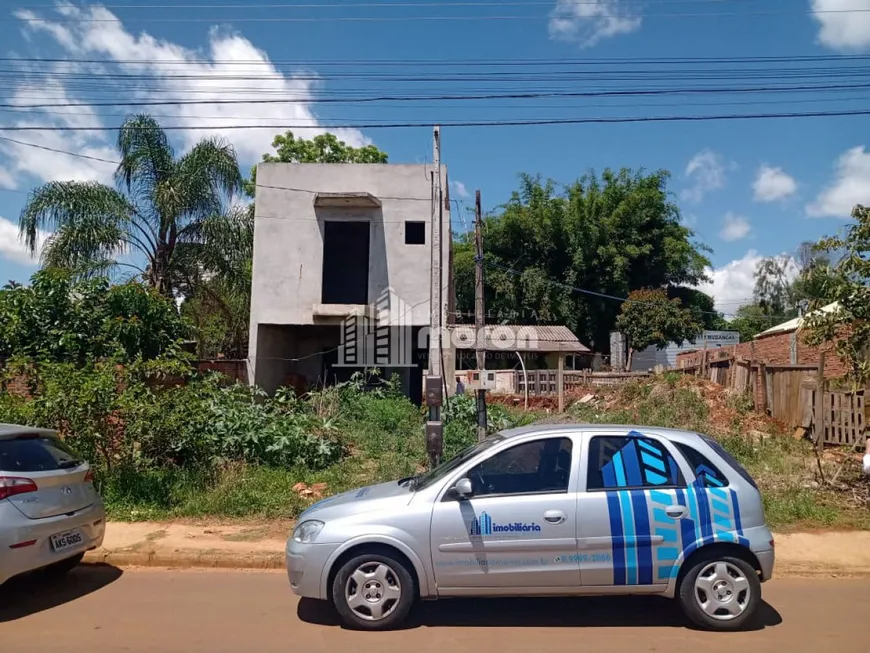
749,187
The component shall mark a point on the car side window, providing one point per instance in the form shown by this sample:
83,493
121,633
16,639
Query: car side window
706,473
620,462
539,466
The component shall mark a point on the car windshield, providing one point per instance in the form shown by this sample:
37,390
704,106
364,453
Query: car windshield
446,467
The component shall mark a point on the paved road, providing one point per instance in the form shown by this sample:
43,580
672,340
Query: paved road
102,609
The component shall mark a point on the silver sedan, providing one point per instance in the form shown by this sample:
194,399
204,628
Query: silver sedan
546,511
50,513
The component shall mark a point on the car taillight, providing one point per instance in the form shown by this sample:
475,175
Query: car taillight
89,477
11,485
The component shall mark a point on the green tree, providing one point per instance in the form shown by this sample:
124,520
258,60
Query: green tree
606,235
323,148
750,320
58,319
214,276
848,283
650,319
160,201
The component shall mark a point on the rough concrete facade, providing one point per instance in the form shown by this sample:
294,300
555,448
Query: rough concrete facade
290,325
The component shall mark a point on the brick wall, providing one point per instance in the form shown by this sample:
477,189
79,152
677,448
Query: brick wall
775,349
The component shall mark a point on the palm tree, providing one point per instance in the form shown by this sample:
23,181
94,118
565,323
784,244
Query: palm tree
159,203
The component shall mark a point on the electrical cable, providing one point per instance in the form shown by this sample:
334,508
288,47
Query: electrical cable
458,124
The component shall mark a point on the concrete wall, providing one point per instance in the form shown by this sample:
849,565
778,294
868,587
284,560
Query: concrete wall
288,247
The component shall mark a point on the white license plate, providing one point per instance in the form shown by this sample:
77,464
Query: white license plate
67,540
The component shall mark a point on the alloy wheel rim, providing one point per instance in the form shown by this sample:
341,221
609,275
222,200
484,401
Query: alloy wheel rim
722,591
373,591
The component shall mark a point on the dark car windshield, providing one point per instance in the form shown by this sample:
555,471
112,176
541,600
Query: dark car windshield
446,467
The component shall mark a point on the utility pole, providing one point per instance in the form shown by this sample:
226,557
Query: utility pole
479,313
434,382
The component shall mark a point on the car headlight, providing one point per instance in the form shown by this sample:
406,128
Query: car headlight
307,531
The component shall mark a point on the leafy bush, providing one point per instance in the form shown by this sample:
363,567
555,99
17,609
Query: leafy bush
123,417
460,422
57,319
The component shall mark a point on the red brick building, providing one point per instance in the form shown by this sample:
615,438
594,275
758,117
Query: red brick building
780,345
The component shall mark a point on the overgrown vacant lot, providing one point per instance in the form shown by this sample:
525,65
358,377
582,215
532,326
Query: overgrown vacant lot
786,470
203,450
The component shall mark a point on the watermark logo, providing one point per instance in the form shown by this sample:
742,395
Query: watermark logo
484,526
379,336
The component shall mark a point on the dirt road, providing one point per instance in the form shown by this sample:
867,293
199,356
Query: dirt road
101,608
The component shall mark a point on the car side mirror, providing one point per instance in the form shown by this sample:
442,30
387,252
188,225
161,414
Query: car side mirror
463,488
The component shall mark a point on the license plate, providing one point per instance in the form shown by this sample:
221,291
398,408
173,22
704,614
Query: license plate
67,540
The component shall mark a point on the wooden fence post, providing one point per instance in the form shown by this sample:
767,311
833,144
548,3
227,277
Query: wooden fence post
762,373
560,382
819,417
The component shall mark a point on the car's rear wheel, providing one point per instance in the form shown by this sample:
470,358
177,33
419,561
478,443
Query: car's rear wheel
63,567
373,592
720,593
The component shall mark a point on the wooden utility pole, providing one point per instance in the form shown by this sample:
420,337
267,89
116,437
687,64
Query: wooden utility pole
479,315
434,382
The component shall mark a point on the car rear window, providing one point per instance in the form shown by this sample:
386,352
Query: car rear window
731,460
36,454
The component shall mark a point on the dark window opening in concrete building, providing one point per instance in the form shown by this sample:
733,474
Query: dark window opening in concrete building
345,262
415,233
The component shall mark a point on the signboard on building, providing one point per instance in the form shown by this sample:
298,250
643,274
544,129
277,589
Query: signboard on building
717,339
649,358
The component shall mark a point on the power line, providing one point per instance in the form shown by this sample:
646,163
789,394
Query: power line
602,295
464,97
53,149
522,61
372,5
403,19
480,123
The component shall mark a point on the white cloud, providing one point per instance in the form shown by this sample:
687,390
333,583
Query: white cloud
170,70
7,181
707,172
460,189
842,29
772,184
12,247
851,186
589,22
732,284
735,227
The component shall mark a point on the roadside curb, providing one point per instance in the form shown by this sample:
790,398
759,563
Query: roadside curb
188,559
214,559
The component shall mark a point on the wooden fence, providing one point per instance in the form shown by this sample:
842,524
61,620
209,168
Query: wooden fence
789,393
844,417
544,382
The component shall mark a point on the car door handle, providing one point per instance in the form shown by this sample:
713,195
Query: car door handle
676,512
554,516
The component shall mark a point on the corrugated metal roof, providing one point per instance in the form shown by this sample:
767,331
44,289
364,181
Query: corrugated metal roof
796,323
518,337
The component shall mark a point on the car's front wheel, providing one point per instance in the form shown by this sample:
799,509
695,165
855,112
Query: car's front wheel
373,592
720,593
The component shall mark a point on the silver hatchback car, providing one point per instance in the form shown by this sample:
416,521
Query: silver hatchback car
49,512
546,511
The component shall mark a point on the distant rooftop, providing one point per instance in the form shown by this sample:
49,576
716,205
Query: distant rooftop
517,337
796,323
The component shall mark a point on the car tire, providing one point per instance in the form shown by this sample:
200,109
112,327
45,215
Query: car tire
373,592
720,592
62,568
